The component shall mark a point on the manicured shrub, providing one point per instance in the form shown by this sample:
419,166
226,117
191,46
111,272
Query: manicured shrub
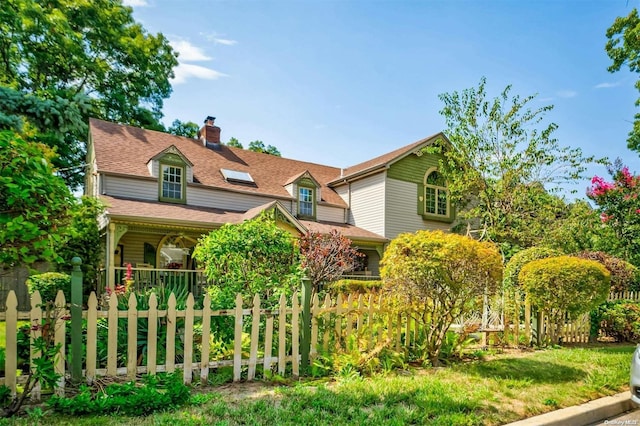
515,264
565,286
348,286
440,276
623,274
48,285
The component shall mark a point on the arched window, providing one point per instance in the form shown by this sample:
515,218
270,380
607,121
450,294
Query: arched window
436,196
174,252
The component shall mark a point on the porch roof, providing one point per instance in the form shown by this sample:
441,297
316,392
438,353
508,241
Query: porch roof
133,210
156,212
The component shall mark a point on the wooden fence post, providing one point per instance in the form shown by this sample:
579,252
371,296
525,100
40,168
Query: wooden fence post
76,320
306,324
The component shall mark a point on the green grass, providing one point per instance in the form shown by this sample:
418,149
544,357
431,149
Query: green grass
497,391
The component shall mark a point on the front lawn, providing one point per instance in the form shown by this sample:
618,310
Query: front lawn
499,390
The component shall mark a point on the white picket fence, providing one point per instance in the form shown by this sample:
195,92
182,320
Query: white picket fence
273,335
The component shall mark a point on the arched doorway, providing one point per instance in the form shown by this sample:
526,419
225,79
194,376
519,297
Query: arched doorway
174,252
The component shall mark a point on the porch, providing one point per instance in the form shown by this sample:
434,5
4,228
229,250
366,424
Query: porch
146,278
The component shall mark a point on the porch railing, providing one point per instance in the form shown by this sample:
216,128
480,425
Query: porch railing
146,279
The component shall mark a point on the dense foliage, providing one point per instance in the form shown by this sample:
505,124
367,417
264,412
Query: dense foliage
502,158
34,203
564,285
349,286
579,228
253,257
624,275
623,47
619,205
325,257
48,284
619,319
157,393
82,239
441,276
515,264
63,52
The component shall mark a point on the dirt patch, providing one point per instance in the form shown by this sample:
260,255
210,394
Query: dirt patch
238,392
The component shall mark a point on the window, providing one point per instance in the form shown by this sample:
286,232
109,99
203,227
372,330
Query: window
305,201
172,183
435,194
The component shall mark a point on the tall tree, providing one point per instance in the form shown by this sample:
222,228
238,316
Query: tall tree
259,146
502,158
60,49
34,203
623,47
235,143
187,129
619,205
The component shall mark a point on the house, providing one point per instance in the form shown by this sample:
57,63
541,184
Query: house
163,192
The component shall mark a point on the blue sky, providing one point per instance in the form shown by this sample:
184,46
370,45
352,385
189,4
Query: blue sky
340,82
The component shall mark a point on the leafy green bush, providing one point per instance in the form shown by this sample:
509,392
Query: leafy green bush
565,285
157,393
347,286
48,285
515,264
253,257
619,319
440,276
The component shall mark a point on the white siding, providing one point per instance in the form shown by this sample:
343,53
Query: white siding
343,192
368,203
402,210
131,188
330,214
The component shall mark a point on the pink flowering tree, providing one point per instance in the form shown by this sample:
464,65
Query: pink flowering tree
619,205
325,257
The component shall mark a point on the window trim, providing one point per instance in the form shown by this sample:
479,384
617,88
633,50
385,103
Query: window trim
438,189
183,182
312,201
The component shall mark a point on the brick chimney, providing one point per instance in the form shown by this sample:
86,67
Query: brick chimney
209,134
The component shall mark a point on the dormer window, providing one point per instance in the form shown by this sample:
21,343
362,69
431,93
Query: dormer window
172,179
173,171
305,201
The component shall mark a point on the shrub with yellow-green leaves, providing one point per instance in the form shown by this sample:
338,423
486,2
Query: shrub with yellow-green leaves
565,285
441,276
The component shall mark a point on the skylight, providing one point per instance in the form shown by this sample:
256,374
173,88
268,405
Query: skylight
236,176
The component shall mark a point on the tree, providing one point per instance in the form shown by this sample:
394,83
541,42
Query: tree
501,159
579,228
235,143
619,205
82,239
258,146
325,257
440,276
253,257
188,129
52,121
623,47
34,203
60,49
565,285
